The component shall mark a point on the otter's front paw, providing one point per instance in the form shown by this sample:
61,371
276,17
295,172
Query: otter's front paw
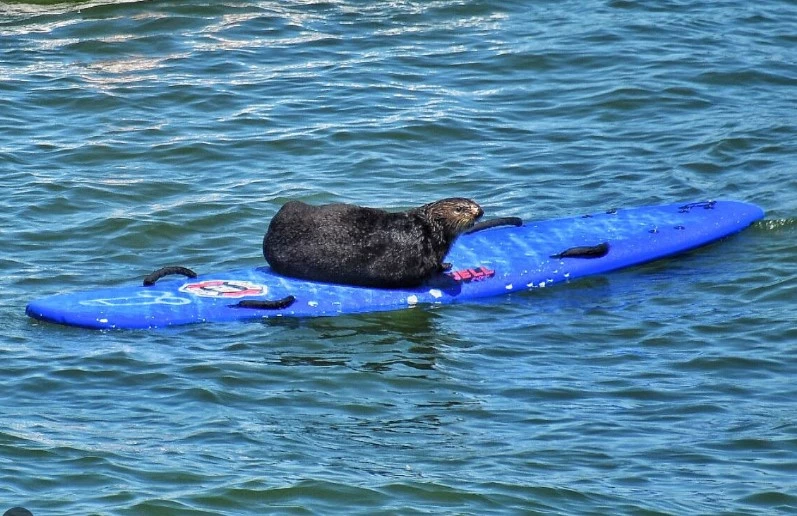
445,267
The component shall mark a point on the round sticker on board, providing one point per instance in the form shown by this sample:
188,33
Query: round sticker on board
224,288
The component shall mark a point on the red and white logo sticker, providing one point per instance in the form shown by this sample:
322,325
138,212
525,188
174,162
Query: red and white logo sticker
224,288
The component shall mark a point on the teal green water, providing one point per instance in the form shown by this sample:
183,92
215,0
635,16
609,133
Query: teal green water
141,134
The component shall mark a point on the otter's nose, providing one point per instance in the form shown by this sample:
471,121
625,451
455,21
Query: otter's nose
479,212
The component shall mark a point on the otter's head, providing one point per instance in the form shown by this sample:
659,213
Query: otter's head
452,216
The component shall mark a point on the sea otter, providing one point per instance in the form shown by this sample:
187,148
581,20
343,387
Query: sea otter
355,245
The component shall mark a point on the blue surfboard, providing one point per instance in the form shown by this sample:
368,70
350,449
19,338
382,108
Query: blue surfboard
500,260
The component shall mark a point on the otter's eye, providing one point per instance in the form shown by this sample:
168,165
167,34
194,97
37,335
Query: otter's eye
458,209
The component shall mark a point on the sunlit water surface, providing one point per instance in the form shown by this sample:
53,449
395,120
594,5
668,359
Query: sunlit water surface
140,134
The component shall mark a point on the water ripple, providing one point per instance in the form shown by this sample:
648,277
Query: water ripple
139,134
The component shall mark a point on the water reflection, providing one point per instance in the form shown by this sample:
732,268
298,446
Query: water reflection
376,342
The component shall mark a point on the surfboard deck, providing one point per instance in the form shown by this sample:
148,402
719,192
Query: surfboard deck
491,262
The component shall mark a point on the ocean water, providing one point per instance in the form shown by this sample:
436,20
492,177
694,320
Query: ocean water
140,134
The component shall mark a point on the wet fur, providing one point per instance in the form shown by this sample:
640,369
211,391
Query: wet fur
354,245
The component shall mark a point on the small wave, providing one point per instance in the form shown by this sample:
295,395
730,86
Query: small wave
24,8
776,224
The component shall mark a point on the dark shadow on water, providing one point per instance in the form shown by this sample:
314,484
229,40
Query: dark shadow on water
416,325
377,341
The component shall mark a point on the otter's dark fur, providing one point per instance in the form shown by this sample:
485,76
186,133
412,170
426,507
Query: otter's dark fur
354,245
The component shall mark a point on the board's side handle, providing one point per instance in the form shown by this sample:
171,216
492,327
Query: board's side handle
502,221
167,271
587,251
265,304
